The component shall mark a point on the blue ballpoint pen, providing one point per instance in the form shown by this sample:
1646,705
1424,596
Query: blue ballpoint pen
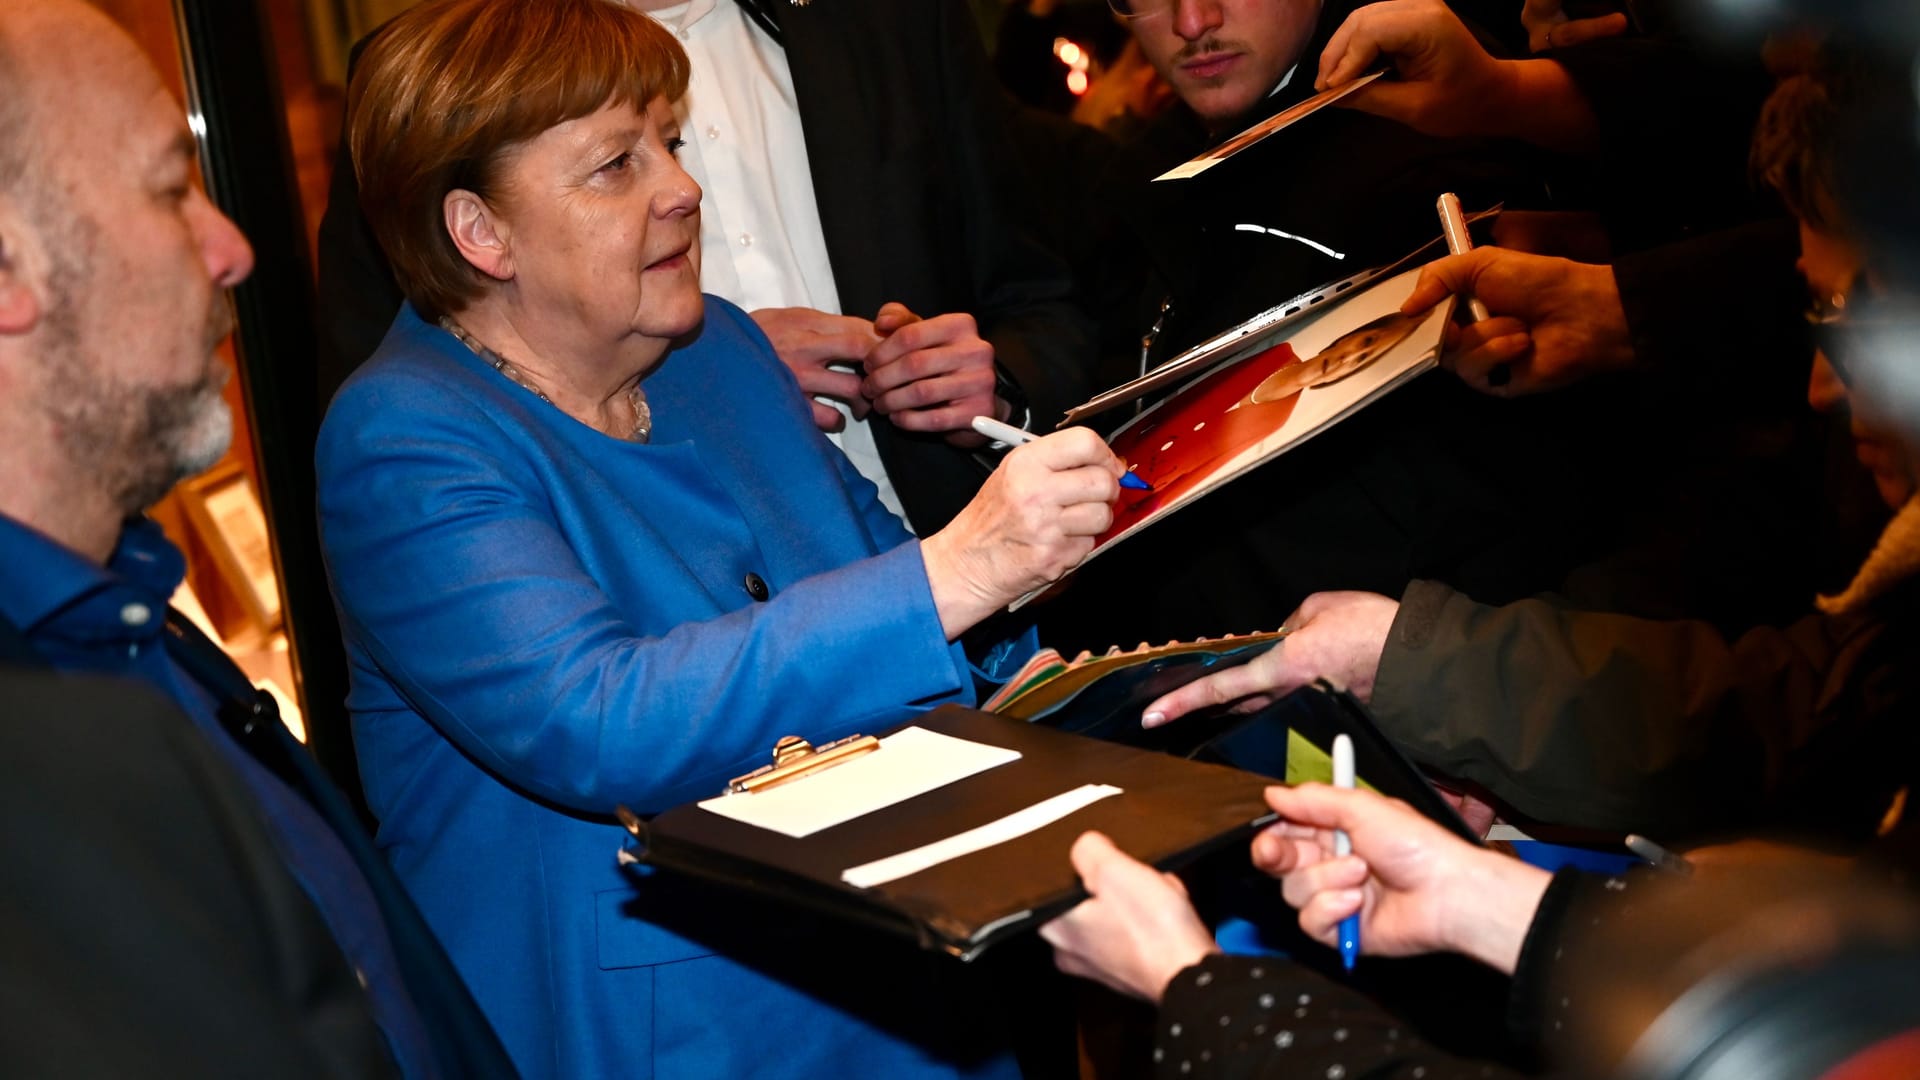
1343,778
1013,436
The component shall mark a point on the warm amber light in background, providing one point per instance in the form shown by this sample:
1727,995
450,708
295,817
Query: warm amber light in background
1077,59
215,519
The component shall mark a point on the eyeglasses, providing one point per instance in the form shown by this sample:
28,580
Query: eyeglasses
1828,324
1140,9
1866,335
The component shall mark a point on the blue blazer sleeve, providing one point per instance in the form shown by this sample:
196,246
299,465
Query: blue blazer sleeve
584,648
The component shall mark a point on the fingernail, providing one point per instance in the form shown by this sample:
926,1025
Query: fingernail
1153,719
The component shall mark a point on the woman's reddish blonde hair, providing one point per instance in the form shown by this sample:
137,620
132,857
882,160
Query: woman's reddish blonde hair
445,91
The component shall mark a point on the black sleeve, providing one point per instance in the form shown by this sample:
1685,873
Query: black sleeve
1721,310
149,925
1242,1017
1537,1007
1675,123
1041,339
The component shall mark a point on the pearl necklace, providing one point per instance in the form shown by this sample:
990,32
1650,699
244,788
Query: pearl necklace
642,413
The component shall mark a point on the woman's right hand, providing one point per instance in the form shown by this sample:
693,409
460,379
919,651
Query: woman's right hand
1417,887
1034,519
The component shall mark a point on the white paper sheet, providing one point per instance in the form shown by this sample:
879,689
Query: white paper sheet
1017,824
910,762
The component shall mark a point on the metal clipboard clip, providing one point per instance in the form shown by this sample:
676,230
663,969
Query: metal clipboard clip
795,757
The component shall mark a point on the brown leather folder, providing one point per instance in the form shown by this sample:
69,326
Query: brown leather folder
1170,811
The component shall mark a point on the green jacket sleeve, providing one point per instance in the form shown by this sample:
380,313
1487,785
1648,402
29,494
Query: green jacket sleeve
1614,722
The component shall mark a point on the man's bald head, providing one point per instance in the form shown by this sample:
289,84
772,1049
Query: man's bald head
15,133
113,267
32,33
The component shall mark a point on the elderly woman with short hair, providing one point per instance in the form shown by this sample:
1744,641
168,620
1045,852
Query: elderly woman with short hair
589,549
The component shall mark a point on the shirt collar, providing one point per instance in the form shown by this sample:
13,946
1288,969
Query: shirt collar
43,577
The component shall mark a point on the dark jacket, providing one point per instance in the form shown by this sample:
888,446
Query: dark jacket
135,787
149,925
1249,1017
1668,727
1659,970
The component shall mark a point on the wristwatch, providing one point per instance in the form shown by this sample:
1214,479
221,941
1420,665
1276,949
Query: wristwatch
1019,413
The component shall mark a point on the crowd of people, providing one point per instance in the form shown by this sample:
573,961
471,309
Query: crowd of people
654,331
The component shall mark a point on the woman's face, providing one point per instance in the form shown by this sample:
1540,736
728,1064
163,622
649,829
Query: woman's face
603,226
1831,264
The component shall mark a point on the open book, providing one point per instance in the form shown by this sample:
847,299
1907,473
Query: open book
1276,393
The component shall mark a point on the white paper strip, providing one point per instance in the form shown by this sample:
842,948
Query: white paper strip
1017,824
910,762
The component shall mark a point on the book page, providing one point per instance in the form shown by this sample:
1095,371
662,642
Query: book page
912,761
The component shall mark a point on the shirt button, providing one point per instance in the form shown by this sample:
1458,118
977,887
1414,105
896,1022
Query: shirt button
136,614
361,974
757,587
713,132
746,239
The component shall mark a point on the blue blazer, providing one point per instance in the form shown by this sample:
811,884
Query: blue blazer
544,622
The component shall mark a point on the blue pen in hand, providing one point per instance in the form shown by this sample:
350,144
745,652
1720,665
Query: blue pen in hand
1013,436
1342,845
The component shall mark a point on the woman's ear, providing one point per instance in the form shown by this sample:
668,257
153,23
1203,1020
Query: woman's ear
481,235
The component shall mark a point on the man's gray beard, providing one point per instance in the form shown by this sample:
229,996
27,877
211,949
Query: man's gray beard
193,426
135,442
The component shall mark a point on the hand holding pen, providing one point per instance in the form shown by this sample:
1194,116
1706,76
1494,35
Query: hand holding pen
1547,322
1413,886
1008,435
1348,939
1034,519
1453,226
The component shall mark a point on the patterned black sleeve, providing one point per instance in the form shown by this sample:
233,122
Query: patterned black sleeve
1245,1017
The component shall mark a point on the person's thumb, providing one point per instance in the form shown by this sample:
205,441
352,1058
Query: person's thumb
1454,275
1581,31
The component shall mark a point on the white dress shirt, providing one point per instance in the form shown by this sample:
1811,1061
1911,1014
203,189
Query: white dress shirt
760,239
